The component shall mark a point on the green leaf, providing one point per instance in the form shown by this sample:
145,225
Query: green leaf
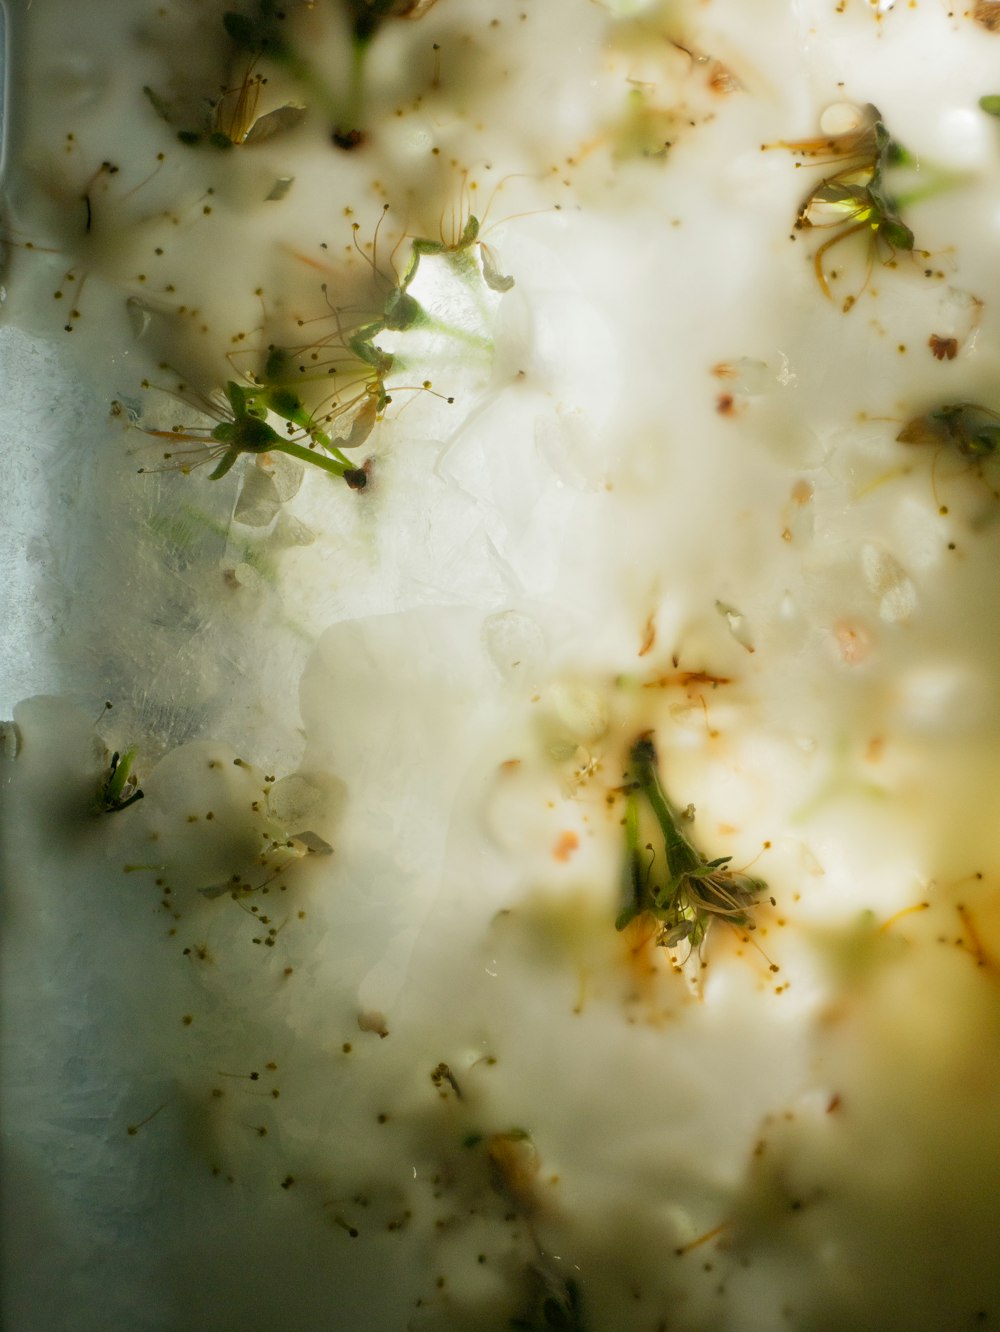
224,464
237,398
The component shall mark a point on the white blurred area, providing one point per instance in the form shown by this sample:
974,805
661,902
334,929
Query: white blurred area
668,496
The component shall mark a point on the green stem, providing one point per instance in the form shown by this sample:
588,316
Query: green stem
942,182
356,84
304,74
681,855
331,448
332,465
474,341
304,421
633,898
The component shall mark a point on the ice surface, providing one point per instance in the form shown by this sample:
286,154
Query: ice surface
420,1081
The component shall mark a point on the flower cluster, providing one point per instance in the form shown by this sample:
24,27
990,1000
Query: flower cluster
692,891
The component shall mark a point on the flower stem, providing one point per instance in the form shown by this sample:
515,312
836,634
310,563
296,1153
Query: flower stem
681,855
633,894
332,465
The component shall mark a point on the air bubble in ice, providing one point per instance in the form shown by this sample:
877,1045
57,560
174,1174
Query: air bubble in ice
886,578
515,644
293,799
574,714
841,118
